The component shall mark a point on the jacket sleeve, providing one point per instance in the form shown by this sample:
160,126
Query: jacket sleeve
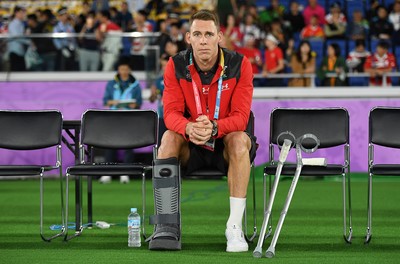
174,101
137,94
108,94
240,103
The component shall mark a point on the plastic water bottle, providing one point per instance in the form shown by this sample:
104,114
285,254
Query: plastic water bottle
134,228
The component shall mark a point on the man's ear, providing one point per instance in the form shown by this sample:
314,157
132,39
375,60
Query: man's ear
187,37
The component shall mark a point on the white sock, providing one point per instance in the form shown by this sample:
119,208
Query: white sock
237,206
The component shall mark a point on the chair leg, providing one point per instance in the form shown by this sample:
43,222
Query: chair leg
347,231
63,225
78,232
369,210
144,204
253,236
269,232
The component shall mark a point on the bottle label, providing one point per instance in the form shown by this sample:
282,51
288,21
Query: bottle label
134,223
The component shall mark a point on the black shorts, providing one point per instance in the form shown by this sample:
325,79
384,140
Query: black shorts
201,157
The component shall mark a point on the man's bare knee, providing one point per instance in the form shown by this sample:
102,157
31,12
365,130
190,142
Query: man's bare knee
171,145
237,144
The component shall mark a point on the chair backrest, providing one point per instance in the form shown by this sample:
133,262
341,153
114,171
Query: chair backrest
330,125
119,129
29,130
383,123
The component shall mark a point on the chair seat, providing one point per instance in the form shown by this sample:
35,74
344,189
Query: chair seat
290,169
112,170
386,169
20,170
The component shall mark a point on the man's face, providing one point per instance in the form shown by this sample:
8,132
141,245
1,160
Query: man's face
124,71
204,38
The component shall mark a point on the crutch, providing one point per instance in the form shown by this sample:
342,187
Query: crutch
270,253
287,144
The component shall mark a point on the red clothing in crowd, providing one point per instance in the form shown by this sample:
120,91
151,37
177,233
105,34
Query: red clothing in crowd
251,53
318,10
312,32
387,61
272,58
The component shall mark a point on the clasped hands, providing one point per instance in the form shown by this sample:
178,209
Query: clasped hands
199,132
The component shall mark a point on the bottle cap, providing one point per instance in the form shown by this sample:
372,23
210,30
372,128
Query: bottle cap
133,210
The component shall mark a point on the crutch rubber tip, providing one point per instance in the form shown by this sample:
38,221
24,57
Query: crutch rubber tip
269,254
257,254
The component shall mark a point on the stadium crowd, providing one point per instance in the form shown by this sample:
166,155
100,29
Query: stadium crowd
323,37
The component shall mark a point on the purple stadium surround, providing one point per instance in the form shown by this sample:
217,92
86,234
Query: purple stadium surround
73,98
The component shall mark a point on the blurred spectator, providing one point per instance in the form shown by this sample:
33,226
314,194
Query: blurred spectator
394,18
155,9
251,52
16,46
177,35
123,92
357,57
66,46
358,27
294,19
381,28
230,29
379,63
110,41
171,49
126,17
227,7
100,5
333,63
81,18
373,11
115,16
172,6
248,26
279,33
313,30
274,62
164,35
274,11
314,9
44,46
335,26
302,62
89,51
139,45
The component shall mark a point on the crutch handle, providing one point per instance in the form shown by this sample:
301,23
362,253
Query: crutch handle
287,144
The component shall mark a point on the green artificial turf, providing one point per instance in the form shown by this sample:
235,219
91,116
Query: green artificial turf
312,232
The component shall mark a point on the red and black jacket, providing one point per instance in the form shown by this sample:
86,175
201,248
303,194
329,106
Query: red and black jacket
236,97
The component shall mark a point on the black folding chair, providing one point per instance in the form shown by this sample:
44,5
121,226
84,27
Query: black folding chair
113,129
383,122
331,126
33,130
208,172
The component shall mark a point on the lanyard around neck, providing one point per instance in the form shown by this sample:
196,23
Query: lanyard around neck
219,92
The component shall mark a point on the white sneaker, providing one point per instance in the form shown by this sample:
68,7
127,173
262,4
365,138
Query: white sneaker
124,179
235,240
105,179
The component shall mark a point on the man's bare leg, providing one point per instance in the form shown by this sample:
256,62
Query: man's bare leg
236,153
